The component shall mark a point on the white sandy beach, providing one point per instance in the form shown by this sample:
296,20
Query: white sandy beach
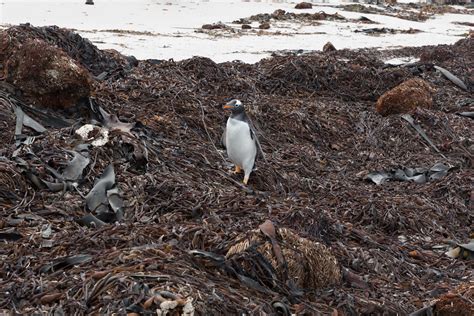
167,29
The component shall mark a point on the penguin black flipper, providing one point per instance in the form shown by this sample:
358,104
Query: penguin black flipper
244,117
253,135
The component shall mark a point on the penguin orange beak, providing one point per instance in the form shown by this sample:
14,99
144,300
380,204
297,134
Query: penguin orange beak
227,107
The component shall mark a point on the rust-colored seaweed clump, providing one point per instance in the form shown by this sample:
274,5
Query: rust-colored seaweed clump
406,98
47,75
459,302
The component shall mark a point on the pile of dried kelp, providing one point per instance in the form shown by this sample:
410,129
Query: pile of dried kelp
267,20
408,11
127,203
282,15
98,62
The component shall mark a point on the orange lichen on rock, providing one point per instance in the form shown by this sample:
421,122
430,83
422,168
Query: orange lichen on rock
405,98
46,74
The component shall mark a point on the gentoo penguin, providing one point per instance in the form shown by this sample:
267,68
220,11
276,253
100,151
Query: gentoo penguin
239,139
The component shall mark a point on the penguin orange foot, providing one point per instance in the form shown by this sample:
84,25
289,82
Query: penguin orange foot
237,169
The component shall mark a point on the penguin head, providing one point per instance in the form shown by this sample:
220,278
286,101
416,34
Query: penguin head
235,106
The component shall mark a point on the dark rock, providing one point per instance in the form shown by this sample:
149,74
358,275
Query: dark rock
304,5
47,75
278,14
214,26
155,61
386,30
132,60
366,20
242,21
325,16
246,27
207,26
329,47
264,26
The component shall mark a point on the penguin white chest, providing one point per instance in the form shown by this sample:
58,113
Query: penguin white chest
241,148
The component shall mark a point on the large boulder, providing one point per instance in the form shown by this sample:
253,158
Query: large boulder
406,97
47,75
